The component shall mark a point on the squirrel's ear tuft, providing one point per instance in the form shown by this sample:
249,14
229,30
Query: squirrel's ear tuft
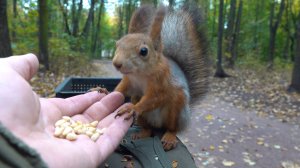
141,19
157,26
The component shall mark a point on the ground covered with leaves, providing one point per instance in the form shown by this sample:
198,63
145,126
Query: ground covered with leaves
45,82
261,91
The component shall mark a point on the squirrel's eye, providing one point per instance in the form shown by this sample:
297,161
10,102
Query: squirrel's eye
144,51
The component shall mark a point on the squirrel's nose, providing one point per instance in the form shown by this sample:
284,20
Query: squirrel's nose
117,65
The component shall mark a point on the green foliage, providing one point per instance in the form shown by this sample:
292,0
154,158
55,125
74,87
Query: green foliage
65,60
26,32
253,42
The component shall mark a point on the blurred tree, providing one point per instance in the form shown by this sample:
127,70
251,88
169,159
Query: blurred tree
256,27
294,10
129,7
5,47
65,15
287,31
89,19
220,72
229,33
171,3
120,13
295,84
144,2
273,25
96,41
43,33
76,13
214,6
235,35
15,13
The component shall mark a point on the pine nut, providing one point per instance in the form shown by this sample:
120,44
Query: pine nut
66,124
58,131
92,129
94,123
66,118
71,136
77,127
59,122
89,133
95,136
73,124
69,129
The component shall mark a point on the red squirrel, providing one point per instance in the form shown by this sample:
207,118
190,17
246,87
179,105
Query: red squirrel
163,59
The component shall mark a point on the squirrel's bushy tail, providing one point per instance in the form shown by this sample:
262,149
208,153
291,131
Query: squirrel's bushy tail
184,41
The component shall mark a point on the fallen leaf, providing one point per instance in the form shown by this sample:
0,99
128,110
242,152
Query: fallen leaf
228,163
290,164
174,164
249,162
224,141
209,117
277,146
260,141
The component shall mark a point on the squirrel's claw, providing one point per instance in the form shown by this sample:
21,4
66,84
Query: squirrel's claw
129,110
99,89
169,141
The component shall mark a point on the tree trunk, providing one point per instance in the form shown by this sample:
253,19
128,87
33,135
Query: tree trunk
96,39
230,33
293,36
43,33
230,27
73,13
89,20
128,14
15,14
236,33
255,35
286,28
65,17
155,2
120,22
295,84
220,72
5,47
213,20
145,2
76,18
273,30
171,3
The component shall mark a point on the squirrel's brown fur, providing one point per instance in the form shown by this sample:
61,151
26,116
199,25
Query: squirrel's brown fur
159,88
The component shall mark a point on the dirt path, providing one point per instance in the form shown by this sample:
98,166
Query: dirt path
221,135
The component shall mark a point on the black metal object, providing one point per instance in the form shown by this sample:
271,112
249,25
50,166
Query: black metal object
74,85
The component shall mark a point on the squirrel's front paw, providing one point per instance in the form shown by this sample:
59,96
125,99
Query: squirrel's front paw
129,110
169,141
99,89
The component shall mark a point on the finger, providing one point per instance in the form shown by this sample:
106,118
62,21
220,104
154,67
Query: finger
76,104
105,122
104,107
25,65
112,136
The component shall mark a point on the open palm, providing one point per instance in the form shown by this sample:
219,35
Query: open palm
32,119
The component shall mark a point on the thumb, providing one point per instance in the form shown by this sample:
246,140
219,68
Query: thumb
25,65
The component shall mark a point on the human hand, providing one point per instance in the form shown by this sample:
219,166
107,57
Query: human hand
32,119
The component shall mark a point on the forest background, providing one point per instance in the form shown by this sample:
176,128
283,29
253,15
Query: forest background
67,34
